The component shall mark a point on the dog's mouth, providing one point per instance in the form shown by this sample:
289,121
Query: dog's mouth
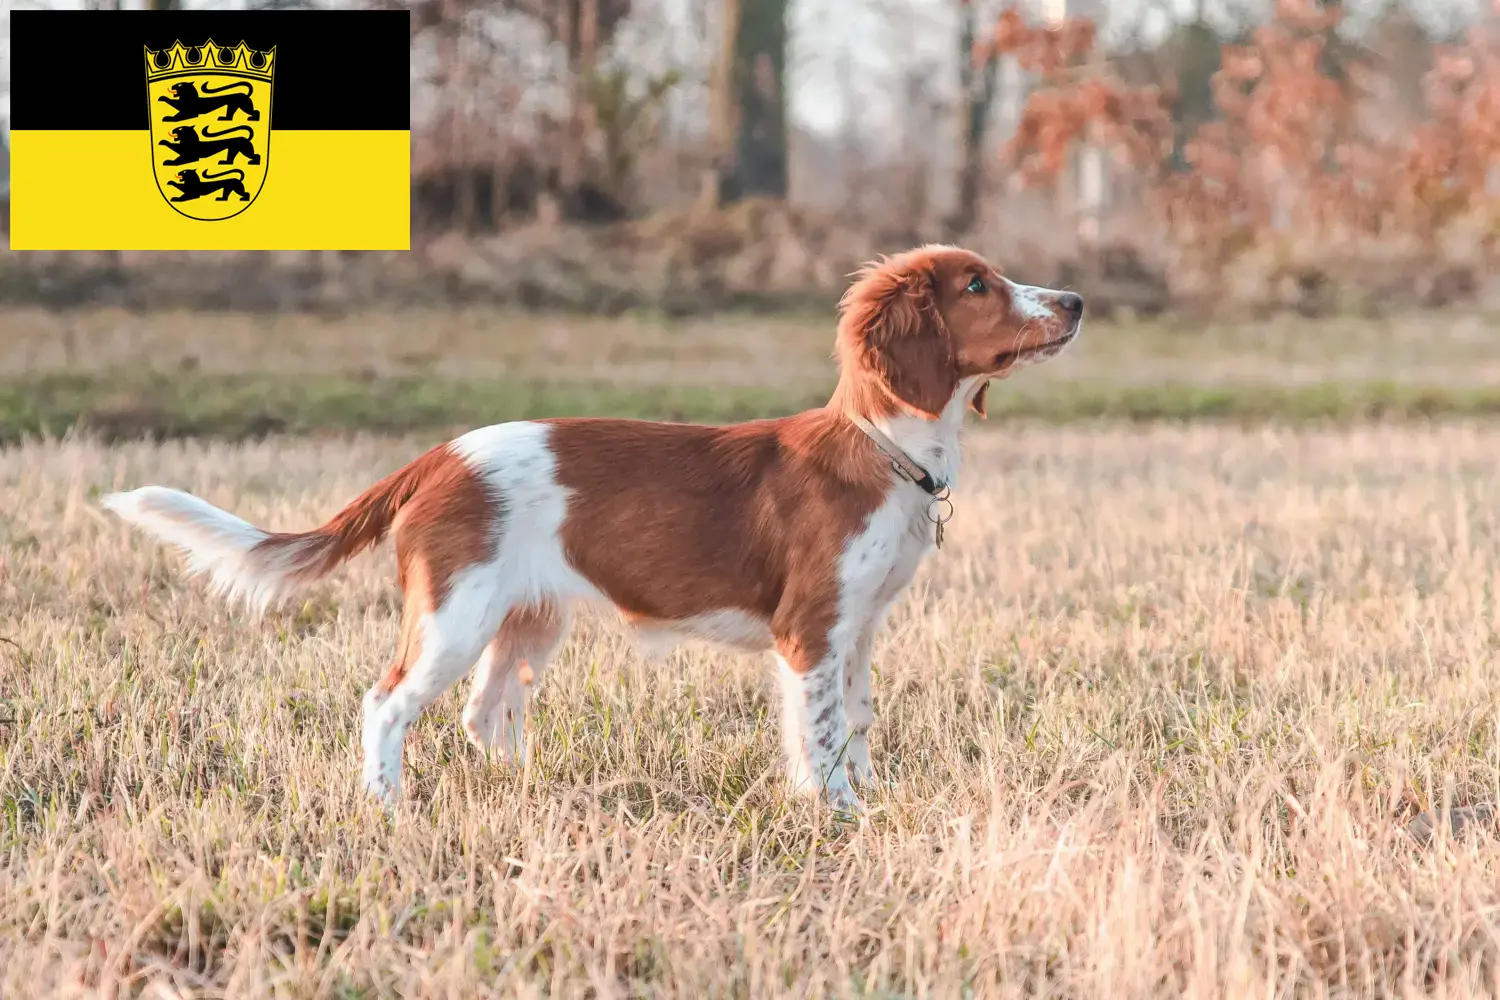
1005,359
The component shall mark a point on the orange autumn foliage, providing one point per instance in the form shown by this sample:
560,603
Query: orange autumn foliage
1289,151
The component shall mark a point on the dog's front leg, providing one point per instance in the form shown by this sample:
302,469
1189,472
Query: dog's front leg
859,708
813,724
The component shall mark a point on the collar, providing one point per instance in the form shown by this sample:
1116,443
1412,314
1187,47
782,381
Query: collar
900,460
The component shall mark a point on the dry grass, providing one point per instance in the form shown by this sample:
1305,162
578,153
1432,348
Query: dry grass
1154,722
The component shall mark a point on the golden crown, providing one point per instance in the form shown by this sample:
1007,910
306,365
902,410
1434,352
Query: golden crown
210,58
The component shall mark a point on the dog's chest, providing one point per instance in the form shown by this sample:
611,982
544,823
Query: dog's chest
882,559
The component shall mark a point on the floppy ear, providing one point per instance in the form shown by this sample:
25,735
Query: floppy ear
977,403
896,329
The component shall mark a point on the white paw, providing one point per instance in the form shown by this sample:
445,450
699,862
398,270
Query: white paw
513,753
382,790
843,799
858,760
483,731
500,743
836,793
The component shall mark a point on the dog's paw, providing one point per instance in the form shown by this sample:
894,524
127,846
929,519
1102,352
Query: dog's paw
843,799
382,792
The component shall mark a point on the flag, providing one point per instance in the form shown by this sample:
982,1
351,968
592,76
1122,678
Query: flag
210,130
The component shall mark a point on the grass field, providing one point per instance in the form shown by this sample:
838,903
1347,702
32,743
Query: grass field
1155,723
235,376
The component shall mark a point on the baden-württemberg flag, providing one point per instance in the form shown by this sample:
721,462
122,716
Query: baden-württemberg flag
210,130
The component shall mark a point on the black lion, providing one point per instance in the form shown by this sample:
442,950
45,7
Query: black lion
189,147
187,103
192,186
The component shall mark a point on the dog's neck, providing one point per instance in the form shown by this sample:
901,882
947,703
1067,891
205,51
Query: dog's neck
931,442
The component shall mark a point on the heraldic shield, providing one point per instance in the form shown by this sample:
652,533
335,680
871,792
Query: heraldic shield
210,108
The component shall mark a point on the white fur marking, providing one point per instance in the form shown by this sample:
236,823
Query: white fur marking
216,543
729,627
827,710
933,444
859,709
452,638
528,567
495,717
814,730
1032,302
1038,307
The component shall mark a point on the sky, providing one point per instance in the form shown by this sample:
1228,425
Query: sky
841,48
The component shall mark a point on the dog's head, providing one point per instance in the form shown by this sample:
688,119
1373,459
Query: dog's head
924,322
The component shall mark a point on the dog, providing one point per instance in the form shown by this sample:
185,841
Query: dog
793,535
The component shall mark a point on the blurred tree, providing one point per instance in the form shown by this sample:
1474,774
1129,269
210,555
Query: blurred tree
750,101
562,19
474,189
1405,54
166,4
1193,52
625,121
977,64
920,109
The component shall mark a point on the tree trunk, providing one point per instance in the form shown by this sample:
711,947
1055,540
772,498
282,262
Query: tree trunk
977,84
1197,57
754,100
721,116
577,26
165,4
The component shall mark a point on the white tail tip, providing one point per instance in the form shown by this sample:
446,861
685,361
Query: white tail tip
216,543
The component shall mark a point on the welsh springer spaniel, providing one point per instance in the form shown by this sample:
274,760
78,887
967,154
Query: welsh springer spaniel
793,535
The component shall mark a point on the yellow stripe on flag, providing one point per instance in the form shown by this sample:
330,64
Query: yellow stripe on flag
324,190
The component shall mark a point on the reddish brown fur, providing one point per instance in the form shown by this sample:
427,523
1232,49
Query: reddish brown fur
893,332
672,521
909,332
451,523
445,518
362,523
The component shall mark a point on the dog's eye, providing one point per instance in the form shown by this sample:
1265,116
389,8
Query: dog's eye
975,285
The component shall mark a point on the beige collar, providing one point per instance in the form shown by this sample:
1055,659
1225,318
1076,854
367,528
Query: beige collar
908,469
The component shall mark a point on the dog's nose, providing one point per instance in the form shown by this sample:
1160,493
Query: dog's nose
1071,303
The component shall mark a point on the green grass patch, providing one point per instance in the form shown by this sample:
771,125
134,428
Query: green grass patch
233,407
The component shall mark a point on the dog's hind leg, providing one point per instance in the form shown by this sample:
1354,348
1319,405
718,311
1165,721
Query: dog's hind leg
437,647
513,663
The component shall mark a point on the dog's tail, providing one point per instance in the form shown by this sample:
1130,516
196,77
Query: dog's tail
261,567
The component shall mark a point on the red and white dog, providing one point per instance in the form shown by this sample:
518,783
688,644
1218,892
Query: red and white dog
793,535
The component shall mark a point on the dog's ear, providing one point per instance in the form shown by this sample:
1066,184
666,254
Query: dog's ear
977,403
892,321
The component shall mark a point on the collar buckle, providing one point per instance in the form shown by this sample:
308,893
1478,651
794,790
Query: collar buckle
903,463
